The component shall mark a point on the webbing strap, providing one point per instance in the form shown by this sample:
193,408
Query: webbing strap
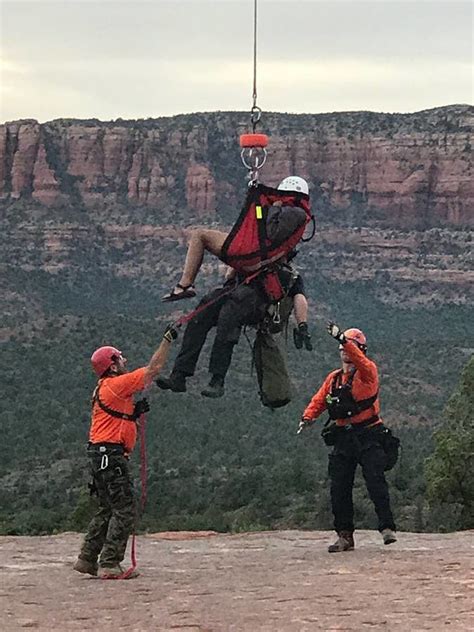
183,320
361,404
110,411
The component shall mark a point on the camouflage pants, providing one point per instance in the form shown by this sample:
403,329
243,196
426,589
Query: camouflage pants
110,528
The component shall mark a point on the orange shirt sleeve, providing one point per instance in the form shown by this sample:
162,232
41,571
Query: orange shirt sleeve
129,383
317,405
367,369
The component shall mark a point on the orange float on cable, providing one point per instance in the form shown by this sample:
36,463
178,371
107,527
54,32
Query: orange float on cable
253,140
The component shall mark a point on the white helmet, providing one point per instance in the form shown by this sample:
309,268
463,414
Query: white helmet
294,183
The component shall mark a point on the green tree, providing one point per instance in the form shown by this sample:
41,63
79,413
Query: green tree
450,469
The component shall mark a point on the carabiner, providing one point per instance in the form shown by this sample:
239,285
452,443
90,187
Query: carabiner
255,116
104,462
276,315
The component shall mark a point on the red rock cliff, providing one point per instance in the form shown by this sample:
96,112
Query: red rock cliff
403,169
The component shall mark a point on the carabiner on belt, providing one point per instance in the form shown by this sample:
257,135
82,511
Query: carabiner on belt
104,462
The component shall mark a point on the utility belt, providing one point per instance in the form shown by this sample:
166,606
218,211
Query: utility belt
332,433
103,451
105,448
363,424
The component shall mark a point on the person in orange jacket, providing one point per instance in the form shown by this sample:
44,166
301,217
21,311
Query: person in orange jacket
355,430
112,437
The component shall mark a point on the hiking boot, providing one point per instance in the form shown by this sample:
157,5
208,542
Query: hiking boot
345,542
115,572
84,566
389,536
176,382
215,388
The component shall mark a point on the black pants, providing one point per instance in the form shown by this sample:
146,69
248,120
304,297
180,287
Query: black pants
358,447
243,306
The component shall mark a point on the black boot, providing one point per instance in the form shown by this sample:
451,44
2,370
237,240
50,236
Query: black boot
215,388
176,382
345,542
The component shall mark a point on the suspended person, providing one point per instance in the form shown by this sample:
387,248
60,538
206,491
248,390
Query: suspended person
351,396
112,437
282,222
228,309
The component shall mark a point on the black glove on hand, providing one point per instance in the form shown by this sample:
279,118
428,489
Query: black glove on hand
334,331
302,336
170,333
141,407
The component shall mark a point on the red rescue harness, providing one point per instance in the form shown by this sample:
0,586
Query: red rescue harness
247,248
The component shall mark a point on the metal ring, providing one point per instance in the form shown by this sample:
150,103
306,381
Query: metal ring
253,157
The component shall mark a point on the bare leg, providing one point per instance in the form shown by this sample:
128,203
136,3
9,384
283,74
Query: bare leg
201,240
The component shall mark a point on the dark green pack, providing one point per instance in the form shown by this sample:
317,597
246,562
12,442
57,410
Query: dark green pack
269,356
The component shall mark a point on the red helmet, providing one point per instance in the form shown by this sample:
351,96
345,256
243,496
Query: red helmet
103,358
356,336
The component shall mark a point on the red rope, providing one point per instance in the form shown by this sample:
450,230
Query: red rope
183,320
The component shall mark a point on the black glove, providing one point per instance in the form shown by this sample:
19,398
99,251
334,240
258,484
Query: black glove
141,407
170,333
334,331
302,336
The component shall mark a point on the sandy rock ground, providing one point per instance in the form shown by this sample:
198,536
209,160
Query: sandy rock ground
267,581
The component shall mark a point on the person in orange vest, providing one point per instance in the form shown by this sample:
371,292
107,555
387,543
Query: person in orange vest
112,437
356,432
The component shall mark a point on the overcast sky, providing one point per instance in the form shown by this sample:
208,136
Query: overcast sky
138,59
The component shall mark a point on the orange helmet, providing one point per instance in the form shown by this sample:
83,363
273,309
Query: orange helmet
356,336
103,358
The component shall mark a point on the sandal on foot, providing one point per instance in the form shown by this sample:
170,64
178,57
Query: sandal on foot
188,291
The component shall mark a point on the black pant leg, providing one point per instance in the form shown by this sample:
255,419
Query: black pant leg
245,307
196,332
342,467
372,460
227,336
235,313
221,357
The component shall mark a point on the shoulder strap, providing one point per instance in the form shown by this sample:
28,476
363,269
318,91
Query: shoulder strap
336,381
261,214
362,404
351,378
109,411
